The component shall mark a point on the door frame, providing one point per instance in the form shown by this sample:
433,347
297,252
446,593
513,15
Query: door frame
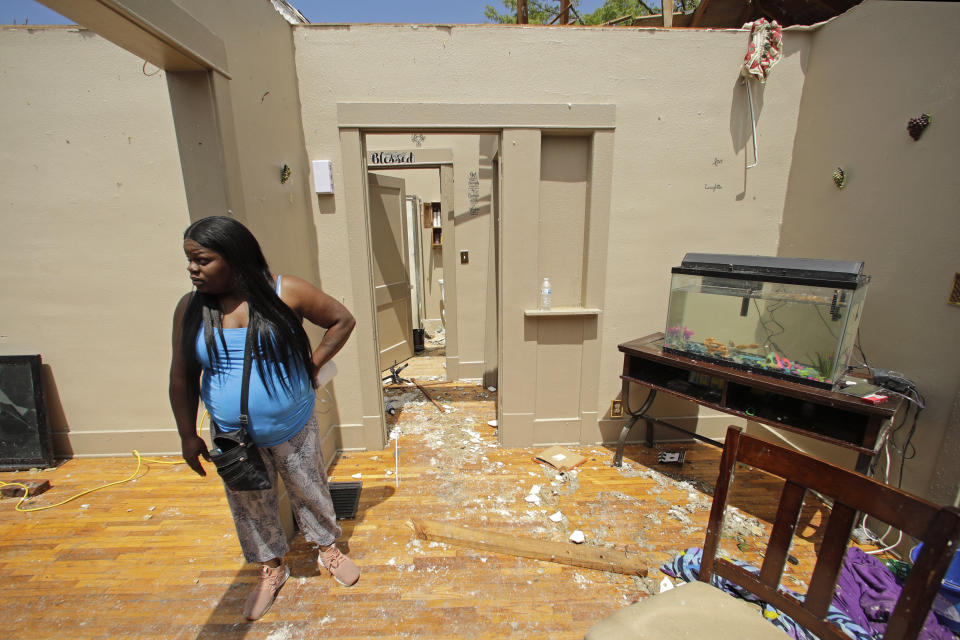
354,120
413,213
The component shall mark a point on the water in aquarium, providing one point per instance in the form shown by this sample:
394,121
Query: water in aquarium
794,331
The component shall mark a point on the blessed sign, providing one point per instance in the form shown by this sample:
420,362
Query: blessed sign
392,157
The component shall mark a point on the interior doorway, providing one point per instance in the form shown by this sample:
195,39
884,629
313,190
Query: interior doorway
448,245
548,364
422,268
391,273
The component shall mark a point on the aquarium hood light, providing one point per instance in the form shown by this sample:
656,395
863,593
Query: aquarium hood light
838,274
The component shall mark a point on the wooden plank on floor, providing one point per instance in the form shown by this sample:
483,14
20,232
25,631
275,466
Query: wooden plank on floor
588,556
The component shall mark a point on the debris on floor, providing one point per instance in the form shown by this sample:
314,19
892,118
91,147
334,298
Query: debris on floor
560,458
471,482
424,392
15,488
671,457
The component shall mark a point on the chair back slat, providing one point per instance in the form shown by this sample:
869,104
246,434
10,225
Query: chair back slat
937,527
779,600
788,514
923,583
721,493
830,559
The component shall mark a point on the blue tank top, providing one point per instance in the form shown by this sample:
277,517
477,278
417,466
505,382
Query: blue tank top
273,420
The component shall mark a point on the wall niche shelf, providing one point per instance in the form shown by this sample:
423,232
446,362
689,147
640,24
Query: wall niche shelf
562,311
432,220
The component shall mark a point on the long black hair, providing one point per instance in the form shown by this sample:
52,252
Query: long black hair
280,338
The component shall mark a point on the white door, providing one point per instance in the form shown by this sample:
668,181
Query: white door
391,280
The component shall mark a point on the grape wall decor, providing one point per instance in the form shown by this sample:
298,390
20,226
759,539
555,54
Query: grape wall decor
916,125
839,178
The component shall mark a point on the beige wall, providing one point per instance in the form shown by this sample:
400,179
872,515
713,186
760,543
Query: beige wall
681,126
898,212
92,214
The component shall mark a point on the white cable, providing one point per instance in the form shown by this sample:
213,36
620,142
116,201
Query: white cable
905,396
882,539
885,549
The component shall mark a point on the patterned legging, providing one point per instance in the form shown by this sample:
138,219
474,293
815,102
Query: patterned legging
256,516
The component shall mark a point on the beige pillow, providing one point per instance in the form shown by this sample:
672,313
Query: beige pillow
695,610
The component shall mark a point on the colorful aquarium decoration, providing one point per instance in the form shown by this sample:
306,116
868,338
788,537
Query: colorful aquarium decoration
677,336
791,318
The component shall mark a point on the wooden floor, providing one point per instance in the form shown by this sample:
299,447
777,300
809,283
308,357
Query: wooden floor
158,558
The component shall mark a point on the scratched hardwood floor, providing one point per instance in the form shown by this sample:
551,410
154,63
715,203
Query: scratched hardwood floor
157,557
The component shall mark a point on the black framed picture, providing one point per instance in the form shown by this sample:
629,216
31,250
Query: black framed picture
25,438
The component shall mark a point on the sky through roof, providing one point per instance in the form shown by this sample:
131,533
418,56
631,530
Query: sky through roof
424,11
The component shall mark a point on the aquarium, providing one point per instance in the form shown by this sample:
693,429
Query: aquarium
791,318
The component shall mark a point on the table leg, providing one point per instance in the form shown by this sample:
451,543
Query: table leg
634,416
618,456
863,463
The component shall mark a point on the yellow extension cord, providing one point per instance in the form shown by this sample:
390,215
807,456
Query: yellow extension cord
133,476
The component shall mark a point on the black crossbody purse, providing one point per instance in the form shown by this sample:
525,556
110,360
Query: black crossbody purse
235,455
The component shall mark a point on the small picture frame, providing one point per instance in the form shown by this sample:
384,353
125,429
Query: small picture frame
616,408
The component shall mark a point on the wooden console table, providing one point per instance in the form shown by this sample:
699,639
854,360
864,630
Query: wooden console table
832,417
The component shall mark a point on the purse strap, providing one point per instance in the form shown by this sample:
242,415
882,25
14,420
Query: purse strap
245,384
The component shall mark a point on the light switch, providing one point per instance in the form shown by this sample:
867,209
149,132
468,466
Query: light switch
464,257
323,176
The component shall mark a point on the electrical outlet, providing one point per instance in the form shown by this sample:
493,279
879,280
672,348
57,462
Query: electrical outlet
616,409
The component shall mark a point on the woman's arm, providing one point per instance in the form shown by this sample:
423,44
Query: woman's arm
184,396
322,310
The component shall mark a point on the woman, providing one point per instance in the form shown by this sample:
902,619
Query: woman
236,293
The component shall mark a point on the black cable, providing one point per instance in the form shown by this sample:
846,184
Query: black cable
905,450
824,321
863,356
770,311
908,451
903,454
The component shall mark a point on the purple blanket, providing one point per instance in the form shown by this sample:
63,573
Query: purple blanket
868,592
863,601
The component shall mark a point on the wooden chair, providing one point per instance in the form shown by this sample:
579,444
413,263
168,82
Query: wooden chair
937,527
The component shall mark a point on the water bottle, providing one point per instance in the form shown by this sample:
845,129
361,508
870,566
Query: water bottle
545,292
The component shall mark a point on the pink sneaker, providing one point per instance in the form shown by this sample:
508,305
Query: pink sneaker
342,568
262,596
